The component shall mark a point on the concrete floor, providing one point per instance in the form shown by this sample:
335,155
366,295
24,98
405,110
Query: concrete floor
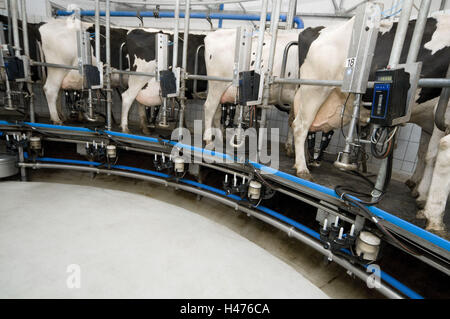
128,246
91,227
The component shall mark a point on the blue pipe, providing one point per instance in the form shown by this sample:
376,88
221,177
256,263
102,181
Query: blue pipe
419,232
384,276
220,20
194,15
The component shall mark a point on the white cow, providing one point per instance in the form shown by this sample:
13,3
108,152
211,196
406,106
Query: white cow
59,45
219,56
434,188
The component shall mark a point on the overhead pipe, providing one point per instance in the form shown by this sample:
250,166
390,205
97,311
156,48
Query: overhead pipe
298,22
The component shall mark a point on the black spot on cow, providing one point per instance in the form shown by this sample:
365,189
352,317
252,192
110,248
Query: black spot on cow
433,65
305,38
141,44
253,62
289,74
210,56
118,37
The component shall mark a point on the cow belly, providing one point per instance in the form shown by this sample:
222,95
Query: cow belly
150,95
72,81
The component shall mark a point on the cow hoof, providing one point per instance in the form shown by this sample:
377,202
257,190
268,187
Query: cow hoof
289,150
420,203
411,184
146,131
305,175
57,122
415,193
420,214
438,229
125,130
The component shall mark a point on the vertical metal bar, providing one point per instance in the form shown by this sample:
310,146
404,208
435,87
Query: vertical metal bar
275,18
418,31
291,14
187,15
442,6
262,29
15,27
97,30
384,172
26,58
108,64
10,35
400,34
175,35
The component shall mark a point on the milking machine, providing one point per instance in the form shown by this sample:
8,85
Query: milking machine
92,75
356,76
247,84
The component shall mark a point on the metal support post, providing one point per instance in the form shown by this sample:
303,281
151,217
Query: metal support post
275,18
26,58
15,27
291,14
108,65
397,47
187,10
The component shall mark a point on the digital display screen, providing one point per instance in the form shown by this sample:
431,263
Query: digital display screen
385,78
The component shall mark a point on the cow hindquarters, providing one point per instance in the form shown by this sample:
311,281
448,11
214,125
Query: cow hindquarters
135,84
439,188
307,102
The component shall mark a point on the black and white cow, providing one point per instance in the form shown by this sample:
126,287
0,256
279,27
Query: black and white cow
325,60
219,55
60,46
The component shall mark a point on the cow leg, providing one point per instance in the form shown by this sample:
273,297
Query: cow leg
305,112
51,89
143,119
215,92
289,145
414,181
439,188
430,161
135,84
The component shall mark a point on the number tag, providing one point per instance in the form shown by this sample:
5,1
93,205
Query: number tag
350,62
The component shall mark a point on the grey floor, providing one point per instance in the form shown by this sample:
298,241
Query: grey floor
117,244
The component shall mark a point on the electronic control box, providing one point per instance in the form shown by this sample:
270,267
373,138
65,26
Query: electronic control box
390,96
